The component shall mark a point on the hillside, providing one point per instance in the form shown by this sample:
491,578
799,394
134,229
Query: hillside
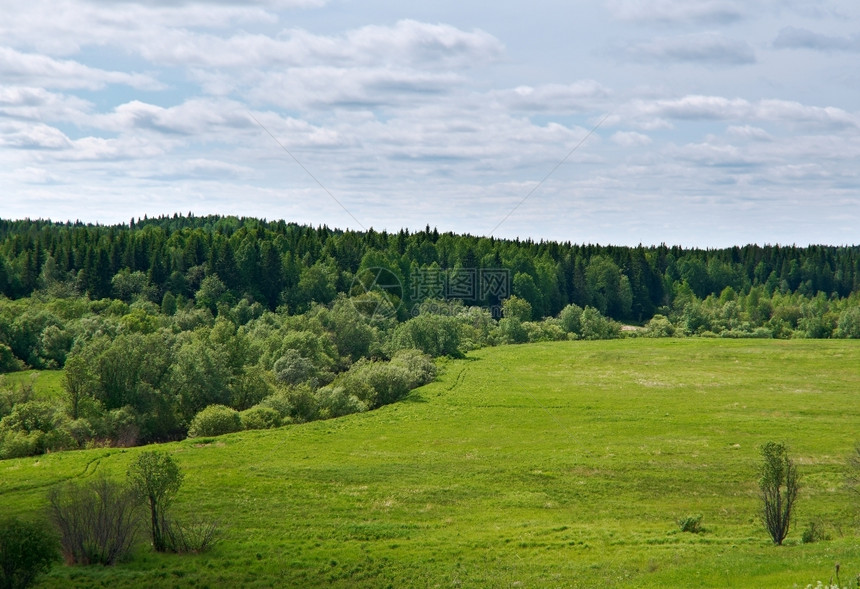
560,464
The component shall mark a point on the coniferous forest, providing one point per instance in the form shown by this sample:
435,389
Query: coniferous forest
187,325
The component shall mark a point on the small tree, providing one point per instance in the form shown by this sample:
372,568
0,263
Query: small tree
779,484
156,478
27,549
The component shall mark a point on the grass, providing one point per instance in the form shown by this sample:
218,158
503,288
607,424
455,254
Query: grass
546,465
47,384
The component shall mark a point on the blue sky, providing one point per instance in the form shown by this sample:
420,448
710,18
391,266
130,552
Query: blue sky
723,122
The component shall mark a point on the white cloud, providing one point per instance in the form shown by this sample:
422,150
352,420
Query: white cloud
706,48
749,132
33,69
631,139
673,11
33,136
719,108
574,97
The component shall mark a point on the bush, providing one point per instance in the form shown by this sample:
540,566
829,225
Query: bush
435,335
293,403
813,532
659,326
27,549
420,367
335,401
260,417
570,319
215,420
194,538
97,521
691,523
375,383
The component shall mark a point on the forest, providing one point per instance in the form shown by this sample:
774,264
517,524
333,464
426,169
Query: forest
195,326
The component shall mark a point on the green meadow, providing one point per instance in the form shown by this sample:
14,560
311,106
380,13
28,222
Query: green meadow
561,464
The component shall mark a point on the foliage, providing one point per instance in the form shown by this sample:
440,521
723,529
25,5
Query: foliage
516,308
434,335
691,523
813,532
779,483
97,521
27,549
155,478
215,420
260,417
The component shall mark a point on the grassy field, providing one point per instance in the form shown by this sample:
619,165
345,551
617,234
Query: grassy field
544,465
47,384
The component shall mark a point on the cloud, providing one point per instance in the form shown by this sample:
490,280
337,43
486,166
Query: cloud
38,136
796,38
26,103
408,42
630,139
705,48
719,108
749,132
33,69
678,11
574,97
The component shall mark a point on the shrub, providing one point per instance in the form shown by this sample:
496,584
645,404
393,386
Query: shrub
335,401
813,532
194,538
595,326
27,549
293,403
260,417
420,367
435,335
512,331
691,523
97,521
659,326
570,319
779,484
215,420
375,383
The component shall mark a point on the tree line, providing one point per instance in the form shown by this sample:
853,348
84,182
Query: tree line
277,263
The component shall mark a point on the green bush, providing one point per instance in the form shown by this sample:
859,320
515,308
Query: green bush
215,420
260,417
435,335
335,401
27,549
813,532
691,523
293,403
419,366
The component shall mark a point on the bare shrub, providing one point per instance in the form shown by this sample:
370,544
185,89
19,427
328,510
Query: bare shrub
97,521
194,537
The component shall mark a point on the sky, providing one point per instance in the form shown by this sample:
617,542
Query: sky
700,123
